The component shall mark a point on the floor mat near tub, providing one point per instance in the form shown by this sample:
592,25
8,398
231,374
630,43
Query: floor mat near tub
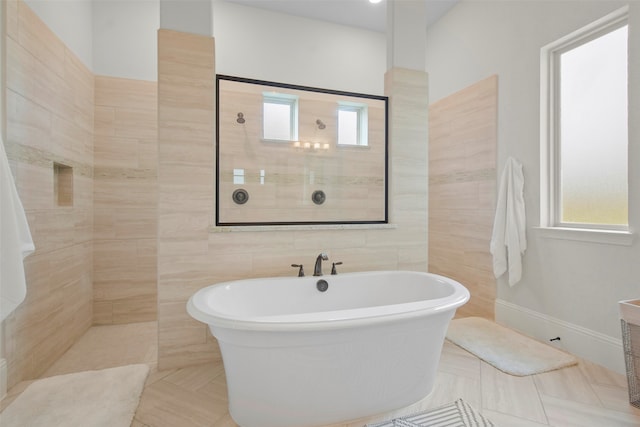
104,398
505,349
456,414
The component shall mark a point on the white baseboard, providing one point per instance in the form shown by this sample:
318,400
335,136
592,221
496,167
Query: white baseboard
3,378
587,344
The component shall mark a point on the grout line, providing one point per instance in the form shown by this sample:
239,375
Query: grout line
544,409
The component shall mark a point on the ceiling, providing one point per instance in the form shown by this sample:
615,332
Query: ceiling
354,13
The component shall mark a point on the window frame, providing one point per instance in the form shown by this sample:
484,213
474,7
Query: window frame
550,203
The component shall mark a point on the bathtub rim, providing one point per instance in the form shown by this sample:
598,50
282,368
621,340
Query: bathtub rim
343,319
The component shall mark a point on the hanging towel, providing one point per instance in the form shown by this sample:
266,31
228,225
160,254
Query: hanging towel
15,241
508,241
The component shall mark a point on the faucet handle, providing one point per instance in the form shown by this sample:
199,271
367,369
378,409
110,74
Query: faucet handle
333,267
301,269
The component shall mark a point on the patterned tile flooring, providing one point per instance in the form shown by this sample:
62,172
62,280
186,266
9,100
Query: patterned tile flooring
586,395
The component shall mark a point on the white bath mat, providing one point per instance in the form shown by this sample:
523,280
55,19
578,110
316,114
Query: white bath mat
456,414
506,349
105,398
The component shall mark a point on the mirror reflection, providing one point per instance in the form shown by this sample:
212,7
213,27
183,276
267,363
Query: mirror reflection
298,155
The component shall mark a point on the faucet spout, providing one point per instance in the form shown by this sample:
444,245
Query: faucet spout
317,269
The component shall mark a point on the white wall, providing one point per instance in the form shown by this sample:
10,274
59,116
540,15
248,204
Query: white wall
125,38
71,21
263,45
118,38
115,38
193,16
250,43
579,283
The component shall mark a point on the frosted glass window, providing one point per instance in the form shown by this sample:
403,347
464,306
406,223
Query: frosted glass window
592,131
279,117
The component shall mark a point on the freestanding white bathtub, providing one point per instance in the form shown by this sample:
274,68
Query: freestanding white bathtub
295,356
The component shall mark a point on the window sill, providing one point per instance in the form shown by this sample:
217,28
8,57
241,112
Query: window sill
608,237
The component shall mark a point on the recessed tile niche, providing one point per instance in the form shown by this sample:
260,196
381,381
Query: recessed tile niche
62,184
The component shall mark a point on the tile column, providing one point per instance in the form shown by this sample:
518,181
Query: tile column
186,94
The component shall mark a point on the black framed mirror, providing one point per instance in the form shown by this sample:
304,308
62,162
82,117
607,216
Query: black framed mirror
289,154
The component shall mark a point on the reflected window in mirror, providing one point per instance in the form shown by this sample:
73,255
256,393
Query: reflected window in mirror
238,176
352,124
279,117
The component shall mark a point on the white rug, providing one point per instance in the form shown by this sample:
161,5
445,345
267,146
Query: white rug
506,349
456,414
105,398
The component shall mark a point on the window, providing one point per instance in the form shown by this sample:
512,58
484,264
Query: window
584,128
352,124
279,117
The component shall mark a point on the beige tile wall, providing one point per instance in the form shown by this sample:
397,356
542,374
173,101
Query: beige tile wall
191,257
186,87
462,176
49,120
125,201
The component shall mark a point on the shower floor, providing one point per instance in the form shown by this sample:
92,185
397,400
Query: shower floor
584,395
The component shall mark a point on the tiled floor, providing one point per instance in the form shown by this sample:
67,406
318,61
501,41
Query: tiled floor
586,395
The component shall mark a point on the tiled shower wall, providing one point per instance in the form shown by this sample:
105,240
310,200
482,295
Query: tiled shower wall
462,181
49,128
83,150
125,201
185,194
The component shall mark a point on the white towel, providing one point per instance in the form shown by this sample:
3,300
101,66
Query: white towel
509,241
15,241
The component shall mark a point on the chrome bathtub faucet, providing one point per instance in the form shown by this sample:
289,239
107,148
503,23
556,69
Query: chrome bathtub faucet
317,269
